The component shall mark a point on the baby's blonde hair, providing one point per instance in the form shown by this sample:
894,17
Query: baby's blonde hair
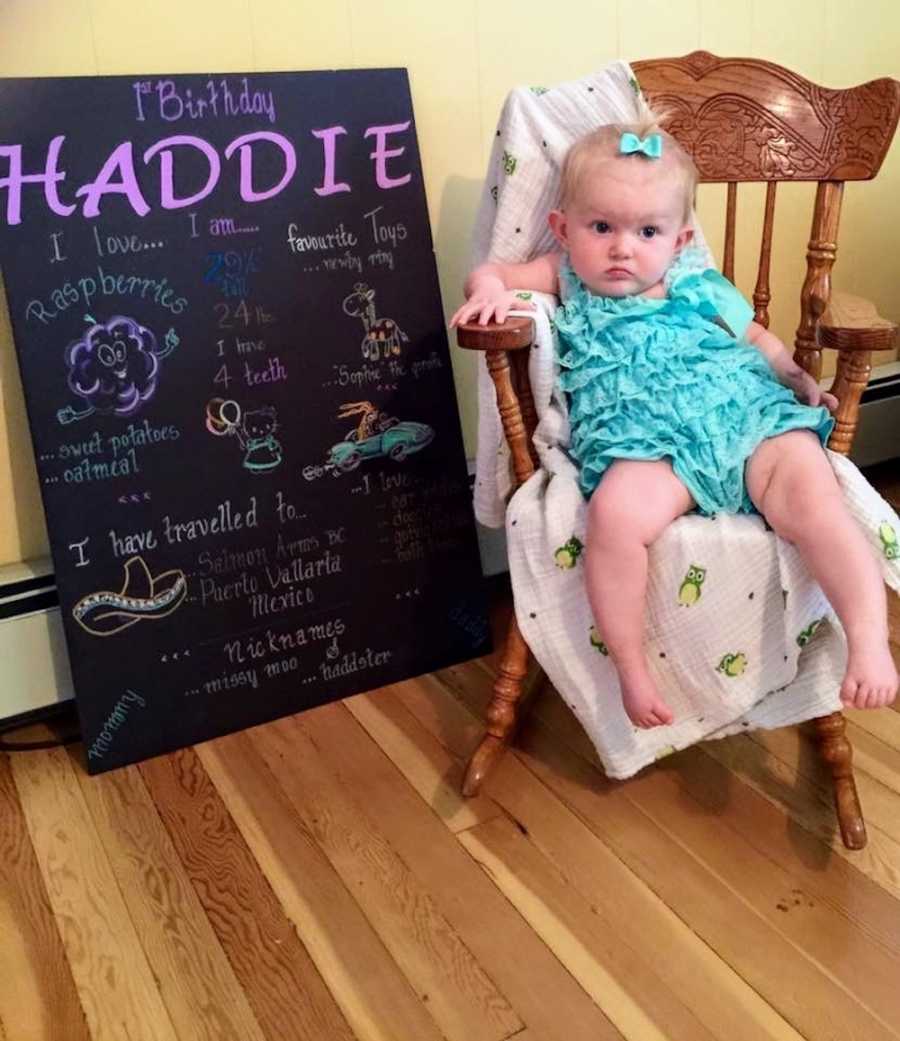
603,143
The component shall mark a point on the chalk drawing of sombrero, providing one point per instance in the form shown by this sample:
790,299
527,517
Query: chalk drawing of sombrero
142,598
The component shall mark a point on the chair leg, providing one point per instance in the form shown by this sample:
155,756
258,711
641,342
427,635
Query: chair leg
837,751
509,689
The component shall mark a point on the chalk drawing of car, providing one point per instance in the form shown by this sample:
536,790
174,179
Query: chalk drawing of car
396,442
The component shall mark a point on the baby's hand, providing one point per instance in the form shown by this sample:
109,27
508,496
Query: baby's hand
491,305
806,388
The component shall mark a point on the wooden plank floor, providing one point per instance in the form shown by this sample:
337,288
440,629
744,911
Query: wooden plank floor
320,878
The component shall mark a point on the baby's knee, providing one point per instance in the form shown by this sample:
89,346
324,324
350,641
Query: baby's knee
610,518
794,510
614,519
637,500
791,481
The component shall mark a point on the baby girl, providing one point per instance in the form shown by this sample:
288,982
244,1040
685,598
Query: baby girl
678,401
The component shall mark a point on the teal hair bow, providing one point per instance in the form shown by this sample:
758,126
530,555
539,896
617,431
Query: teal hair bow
651,145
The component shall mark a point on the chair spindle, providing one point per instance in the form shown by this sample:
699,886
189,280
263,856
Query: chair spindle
523,453
850,380
761,294
821,251
730,214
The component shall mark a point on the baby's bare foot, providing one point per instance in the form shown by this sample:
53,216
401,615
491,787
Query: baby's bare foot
871,678
640,697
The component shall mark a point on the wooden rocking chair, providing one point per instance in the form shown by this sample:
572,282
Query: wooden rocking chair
741,120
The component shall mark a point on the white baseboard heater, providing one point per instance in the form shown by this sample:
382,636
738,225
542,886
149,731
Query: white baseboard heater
34,663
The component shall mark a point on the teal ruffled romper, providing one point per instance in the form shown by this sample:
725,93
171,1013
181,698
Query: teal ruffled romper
662,379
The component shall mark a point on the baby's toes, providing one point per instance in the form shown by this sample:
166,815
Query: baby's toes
867,697
849,689
886,696
878,697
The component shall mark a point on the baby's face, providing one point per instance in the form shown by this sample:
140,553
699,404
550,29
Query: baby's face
624,228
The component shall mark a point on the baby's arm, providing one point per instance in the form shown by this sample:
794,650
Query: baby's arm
491,288
787,370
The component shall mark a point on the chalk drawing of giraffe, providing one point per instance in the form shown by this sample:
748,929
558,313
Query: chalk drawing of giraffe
383,335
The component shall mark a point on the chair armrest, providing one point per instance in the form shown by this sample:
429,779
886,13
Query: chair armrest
851,323
852,327
515,334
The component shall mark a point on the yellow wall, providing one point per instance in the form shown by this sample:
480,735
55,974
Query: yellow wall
463,58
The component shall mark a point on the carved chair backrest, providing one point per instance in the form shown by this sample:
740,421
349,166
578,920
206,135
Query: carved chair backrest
747,120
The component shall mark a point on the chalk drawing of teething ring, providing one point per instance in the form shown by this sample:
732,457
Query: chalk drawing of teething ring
223,417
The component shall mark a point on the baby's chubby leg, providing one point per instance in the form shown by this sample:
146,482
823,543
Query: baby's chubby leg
634,503
792,484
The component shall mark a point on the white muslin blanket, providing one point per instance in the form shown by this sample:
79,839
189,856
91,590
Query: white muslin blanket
738,633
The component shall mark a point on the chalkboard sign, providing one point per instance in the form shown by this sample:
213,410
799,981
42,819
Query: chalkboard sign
226,310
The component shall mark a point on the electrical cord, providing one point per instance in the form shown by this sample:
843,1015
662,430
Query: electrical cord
36,746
